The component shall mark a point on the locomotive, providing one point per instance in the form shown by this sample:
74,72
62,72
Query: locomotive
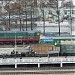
10,37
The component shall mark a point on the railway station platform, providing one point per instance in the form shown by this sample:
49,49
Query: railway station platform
37,60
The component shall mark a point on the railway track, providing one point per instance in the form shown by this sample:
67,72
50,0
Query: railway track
43,70
9,69
33,72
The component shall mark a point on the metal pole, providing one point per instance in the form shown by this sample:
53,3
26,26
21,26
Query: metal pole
15,51
15,44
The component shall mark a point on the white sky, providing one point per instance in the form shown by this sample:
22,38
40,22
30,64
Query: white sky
73,2
66,1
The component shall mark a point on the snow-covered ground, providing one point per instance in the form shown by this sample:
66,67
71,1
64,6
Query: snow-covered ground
73,33
47,23
52,27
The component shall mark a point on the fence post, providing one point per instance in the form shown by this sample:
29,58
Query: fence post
15,63
61,64
38,65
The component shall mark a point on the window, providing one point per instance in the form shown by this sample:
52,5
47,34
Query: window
65,12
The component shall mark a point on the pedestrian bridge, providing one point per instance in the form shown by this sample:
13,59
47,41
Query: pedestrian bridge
37,60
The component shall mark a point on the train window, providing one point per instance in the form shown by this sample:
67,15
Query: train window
1,34
25,35
30,34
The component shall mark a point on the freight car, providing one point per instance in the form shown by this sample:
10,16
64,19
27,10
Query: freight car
10,37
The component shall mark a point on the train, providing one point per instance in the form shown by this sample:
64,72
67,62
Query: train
20,37
56,40
65,50
31,37
21,51
65,43
34,37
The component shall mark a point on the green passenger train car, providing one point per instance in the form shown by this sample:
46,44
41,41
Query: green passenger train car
56,40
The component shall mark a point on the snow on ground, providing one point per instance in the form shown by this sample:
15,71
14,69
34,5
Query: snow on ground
73,33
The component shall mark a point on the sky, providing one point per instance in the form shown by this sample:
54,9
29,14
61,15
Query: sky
66,1
73,2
